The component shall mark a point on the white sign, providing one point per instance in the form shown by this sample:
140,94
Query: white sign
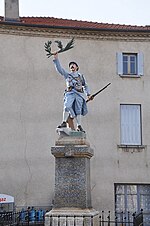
6,198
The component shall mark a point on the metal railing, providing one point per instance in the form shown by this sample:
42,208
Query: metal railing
108,219
34,217
22,218
103,219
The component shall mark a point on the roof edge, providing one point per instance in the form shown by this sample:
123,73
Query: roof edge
121,28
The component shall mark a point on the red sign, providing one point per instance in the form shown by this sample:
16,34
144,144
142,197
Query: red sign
2,199
6,198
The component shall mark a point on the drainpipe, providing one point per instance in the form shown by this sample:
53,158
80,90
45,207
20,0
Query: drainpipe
12,10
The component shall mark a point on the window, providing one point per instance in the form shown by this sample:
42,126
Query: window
130,123
131,198
130,64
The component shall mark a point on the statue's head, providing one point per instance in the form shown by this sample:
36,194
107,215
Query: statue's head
73,66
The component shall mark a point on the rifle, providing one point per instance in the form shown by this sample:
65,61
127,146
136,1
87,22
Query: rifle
95,94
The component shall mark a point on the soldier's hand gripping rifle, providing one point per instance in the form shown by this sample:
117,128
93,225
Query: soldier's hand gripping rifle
95,94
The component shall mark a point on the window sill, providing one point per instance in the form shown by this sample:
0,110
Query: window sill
132,148
130,76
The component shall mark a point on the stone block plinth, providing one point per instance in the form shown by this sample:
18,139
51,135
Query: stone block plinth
72,217
72,200
72,176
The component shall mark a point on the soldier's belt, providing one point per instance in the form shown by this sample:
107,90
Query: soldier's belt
68,89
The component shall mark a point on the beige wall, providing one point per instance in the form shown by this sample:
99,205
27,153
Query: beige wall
31,101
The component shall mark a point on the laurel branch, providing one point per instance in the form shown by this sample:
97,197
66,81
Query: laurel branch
59,45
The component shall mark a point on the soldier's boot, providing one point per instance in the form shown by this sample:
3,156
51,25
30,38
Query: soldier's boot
62,125
79,128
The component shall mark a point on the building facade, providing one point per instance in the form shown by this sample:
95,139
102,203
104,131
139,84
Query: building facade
117,124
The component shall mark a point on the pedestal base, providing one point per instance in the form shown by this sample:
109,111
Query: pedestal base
72,217
72,202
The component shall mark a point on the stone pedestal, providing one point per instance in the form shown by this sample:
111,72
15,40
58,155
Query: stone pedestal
72,202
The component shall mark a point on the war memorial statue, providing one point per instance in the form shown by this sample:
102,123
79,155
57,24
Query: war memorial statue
76,89
72,152
74,97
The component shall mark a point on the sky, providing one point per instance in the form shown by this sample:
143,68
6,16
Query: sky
129,12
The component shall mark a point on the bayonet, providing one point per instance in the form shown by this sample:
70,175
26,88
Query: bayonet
95,94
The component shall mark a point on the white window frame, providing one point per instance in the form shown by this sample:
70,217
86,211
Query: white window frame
130,124
139,64
127,61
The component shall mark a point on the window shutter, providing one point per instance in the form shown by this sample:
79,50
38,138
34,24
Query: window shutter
140,64
130,125
119,63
